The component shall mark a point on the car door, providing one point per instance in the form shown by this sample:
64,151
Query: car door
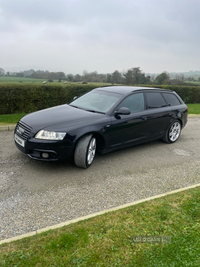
159,114
127,129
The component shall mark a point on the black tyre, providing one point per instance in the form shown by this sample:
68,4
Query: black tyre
85,151
173,132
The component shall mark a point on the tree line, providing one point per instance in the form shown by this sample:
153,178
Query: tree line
130,77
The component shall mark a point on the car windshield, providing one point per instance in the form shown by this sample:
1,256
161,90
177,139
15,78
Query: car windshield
96,101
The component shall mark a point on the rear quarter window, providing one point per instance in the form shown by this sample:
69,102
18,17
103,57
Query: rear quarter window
171,99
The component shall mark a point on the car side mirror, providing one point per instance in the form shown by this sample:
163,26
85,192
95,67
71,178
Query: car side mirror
75,97
122,111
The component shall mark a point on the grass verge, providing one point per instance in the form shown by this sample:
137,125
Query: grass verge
14,118
193,108
10,118
107,240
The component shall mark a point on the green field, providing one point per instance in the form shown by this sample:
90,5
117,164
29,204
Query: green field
7,80
18,79
13,80
110,239
195,82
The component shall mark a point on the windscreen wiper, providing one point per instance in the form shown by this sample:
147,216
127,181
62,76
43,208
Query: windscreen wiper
94,111
73,106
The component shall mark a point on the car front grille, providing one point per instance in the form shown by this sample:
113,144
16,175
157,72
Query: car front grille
23,130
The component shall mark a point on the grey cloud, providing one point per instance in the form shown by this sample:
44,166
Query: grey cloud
141,29
60,11
150,19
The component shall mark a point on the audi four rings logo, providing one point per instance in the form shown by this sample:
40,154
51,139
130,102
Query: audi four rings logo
20,130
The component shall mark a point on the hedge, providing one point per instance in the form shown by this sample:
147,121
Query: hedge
25,98
28,97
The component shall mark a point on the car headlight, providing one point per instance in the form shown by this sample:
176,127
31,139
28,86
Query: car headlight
48,135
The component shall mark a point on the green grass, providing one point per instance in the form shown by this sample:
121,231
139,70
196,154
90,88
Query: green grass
193,82
10,118
18,79
107,240
193,108
6,80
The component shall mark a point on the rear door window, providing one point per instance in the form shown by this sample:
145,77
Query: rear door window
171,99
155,100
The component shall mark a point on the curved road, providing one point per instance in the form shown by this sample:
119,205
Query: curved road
34,194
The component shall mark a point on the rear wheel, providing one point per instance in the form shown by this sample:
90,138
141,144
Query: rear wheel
173,132
85,151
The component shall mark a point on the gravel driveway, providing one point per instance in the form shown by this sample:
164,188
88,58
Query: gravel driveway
34,194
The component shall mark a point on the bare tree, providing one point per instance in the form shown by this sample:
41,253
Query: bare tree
2,72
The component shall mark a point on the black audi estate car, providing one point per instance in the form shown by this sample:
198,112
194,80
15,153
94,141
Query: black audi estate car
105,119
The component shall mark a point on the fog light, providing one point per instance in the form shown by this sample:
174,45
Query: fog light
45,155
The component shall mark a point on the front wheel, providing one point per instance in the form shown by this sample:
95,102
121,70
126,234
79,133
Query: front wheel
173,132
85,151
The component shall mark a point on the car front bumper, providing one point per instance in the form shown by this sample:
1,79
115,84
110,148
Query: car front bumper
47,150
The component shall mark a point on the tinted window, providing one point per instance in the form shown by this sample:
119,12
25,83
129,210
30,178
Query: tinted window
134,102
171,99
155,100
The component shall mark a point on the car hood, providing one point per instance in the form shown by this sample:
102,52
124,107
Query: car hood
61,117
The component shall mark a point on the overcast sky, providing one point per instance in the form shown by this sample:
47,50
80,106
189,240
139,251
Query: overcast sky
103,36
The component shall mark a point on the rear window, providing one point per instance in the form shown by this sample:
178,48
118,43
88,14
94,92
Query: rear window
171,99
155,100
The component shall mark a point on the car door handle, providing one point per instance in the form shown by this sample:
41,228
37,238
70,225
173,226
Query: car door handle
144,118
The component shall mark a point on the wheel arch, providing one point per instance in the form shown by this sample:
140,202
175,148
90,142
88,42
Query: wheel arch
179,121
101,142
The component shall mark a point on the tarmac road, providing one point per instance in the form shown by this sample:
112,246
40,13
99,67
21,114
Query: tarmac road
35,194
